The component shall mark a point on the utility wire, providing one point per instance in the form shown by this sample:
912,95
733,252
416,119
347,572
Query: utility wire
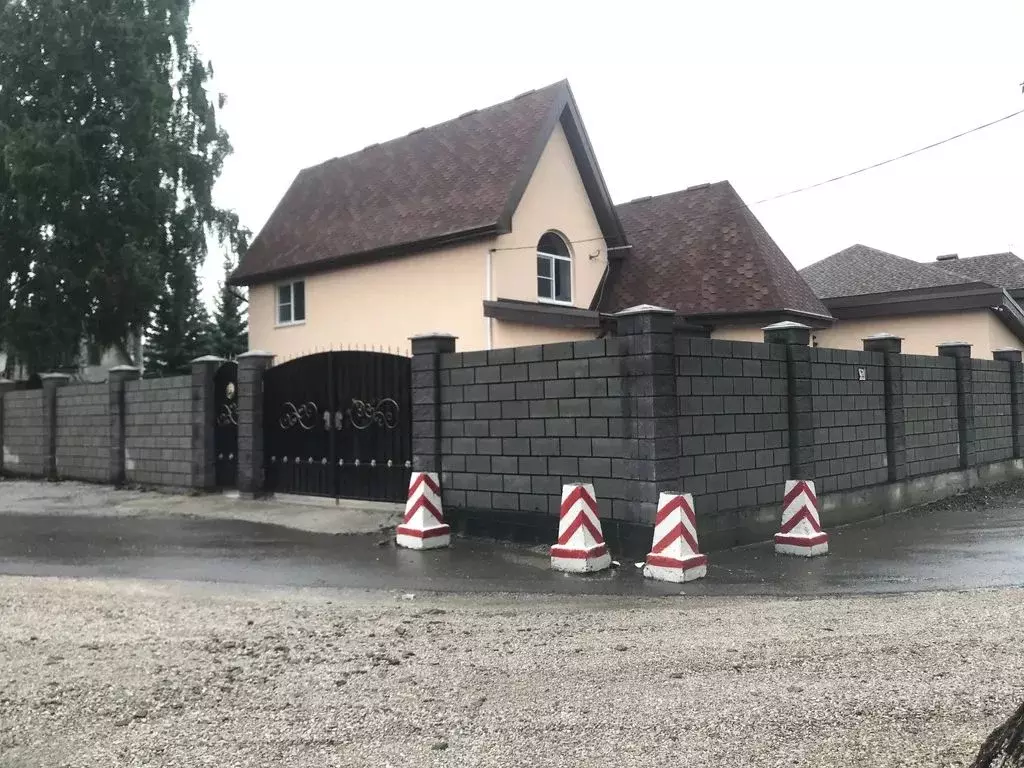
810,186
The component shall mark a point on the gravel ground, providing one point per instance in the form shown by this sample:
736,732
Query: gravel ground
105,673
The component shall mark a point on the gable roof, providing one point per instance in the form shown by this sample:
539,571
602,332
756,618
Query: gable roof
860,270
455,181
1004,270
700,252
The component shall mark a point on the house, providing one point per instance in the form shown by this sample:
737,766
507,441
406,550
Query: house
498,227
869,291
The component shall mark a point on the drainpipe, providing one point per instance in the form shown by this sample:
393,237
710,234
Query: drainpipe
488,321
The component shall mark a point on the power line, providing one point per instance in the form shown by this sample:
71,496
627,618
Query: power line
809,186
890,160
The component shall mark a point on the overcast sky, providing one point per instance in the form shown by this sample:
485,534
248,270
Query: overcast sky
770,95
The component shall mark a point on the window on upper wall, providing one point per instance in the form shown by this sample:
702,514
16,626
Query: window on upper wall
554,269
291,303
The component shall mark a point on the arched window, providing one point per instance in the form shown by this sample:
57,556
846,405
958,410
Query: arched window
554,269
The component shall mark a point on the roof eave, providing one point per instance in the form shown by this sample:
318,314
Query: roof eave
814,319
939,299
363,257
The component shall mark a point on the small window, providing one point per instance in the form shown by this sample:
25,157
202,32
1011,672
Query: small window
554,269
291,302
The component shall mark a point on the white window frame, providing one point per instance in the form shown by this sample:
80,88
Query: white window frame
552,258
290,303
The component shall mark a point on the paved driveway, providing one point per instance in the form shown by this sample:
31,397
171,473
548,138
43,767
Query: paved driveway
966,543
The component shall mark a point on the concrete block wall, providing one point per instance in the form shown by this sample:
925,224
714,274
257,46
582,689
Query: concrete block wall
993,417
848,418
515,424
24,434
158,432
733,422
83,432
930,405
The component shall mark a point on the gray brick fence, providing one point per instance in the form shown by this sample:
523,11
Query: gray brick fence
648,409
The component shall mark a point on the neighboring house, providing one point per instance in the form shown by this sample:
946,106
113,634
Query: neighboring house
870,291
497,227
93,363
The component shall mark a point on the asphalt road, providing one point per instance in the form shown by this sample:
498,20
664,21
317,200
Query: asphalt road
969,543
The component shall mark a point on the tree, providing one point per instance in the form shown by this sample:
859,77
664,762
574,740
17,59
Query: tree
109,150
230,336
181,329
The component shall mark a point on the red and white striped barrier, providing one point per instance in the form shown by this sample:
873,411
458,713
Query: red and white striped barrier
423,526
580,547
674,555
801,532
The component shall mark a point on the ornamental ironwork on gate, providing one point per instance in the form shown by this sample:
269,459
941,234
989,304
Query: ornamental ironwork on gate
339,424
225,425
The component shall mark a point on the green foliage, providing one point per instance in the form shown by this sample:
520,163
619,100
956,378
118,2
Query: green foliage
229,333
109,149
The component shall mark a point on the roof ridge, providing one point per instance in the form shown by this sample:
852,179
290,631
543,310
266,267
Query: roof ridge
693,188
564,83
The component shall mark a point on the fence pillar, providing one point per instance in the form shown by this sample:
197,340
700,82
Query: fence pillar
796,337
117,378
651,441
895,416
426,398
6,385
1014,357
960,351
251,474
204,466
51,383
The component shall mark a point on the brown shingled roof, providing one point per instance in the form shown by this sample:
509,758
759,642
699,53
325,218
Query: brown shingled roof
702,252
452,182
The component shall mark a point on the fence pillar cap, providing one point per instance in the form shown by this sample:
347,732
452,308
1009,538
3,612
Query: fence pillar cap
208,359
255,353
1007,354
786,325
55,376
954,349
433,335
787,332
882,335
644,309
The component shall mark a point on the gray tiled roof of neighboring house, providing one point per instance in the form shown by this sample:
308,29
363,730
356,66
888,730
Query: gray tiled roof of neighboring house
1005,270
860,270
450,182
701,251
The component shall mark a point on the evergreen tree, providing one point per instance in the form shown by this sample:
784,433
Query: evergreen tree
109,150
229,332
181,328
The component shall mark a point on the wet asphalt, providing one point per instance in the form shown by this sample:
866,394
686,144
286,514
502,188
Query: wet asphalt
953,546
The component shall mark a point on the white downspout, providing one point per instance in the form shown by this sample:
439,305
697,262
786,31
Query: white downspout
488,322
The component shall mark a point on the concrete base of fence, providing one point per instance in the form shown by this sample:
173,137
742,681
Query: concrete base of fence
733,528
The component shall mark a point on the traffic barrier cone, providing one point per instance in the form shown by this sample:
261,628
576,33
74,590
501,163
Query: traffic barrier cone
801,532
423,526
580,547
674,555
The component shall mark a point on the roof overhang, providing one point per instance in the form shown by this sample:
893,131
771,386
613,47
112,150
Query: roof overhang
763,317
536,313
939,300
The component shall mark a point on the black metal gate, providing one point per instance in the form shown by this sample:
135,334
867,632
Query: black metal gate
225,427
339,424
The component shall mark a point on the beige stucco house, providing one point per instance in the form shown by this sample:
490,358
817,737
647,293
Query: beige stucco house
497,227
951,299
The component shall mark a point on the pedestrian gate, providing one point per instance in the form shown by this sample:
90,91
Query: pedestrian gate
225,425
339,424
